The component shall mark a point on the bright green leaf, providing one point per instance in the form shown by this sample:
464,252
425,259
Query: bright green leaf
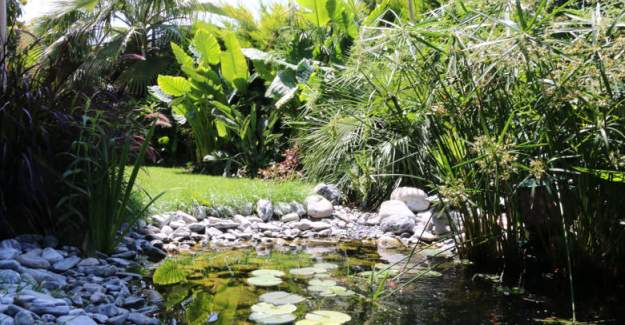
206,44
173,86
233,64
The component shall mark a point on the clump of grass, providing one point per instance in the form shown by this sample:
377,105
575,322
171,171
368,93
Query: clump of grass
183,189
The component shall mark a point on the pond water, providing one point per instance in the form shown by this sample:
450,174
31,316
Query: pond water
213,287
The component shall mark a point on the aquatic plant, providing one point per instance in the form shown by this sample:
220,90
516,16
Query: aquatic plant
281,298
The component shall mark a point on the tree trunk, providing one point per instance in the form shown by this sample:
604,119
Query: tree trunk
3,41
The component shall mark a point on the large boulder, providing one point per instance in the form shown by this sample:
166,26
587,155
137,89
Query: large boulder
395,217
414,198
318,207
264,209
329,191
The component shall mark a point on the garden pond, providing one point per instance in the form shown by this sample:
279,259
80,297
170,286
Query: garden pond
340,283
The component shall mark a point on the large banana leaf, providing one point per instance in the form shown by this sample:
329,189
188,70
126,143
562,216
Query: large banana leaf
233,64
207,46
182,57
173,86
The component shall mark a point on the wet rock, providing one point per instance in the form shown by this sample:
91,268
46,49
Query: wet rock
389,242
133,302
153,253
6,320
414,198
118,320
318,207
329,191
298,208
264,210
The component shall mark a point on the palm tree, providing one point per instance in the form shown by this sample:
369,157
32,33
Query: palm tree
124,43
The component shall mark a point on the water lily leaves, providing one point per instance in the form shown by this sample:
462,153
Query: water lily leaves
267,308
326,266
306,271
274,273
281,298
264,281
266,313
325,317
331,291
267,319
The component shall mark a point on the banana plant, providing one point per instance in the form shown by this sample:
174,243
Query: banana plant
215,99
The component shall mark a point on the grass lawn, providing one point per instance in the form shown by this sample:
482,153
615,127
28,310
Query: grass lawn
182,189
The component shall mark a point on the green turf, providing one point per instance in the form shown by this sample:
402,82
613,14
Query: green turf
183,189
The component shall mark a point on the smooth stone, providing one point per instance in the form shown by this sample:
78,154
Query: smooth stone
43,275
167,230
264,209
394,208
11,265
318,207
293,216
298,208
6,320
141,319
11,243
51,255
415,199
30,260
282,208
177,224
133,302
9,253
91,261
24,318
9,277
397,224
160,220
197,228
118,320
187,218
329,191
268,226
76,320
319,225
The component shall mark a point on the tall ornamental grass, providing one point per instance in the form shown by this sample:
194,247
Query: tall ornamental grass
510,112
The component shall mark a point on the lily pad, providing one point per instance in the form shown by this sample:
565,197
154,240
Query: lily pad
326,266
271,309
330,291
268,319
327,317
264,281
281,298
274,273
307,271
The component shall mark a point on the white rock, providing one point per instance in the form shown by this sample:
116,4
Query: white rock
177,224
160,220
293,216
394,208
397,224
318,207
416,199
167,230
187,218
319,225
